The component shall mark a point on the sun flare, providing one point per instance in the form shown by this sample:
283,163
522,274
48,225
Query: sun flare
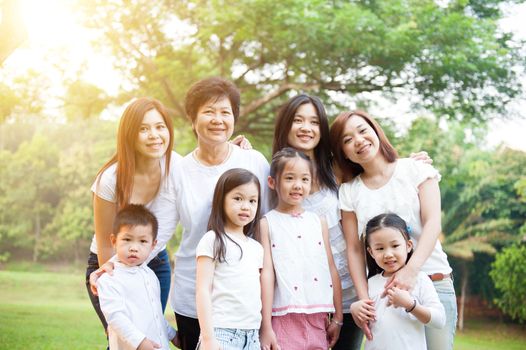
48,23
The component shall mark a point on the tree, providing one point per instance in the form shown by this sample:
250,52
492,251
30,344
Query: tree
453,56
508,273
28,193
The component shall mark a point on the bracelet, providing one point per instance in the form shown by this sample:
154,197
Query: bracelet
412,307
338,323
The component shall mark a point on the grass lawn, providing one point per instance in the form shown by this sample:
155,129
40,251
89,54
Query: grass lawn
50,310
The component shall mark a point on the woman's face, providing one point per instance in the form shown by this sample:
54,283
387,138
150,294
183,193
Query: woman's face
153,138
304,133
214,123
360,143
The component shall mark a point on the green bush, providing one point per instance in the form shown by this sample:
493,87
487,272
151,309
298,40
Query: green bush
509,275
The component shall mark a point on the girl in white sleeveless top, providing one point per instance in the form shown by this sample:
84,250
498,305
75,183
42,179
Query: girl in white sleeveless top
300,283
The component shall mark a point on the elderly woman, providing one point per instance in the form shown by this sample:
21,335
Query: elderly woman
212,105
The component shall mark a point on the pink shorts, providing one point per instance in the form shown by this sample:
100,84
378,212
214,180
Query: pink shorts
301,331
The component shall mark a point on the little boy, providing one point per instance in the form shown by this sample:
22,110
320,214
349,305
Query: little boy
130,298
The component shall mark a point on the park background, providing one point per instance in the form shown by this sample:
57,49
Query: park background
443,76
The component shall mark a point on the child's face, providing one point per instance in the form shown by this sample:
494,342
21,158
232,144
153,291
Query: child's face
294,182
389,249
133,244
240,206
304,133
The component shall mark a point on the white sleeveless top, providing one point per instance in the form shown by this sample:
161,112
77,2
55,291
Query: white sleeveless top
325,203
303,279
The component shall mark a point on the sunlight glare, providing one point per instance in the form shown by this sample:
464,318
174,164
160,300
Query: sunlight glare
49,23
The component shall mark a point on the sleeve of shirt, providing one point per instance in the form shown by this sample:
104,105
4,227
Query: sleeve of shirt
429,298
104,185
420,172
112,305
345,197
205,247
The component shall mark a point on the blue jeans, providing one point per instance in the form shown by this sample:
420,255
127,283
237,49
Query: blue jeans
160,265
236,339
351,336
442,339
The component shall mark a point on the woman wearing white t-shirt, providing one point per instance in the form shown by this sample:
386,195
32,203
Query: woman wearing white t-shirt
138,173
212,105
379,182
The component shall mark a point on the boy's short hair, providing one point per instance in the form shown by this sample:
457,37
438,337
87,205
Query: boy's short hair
135,215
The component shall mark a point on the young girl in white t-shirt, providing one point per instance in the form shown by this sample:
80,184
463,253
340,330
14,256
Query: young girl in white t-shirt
229,260
300,283
399,315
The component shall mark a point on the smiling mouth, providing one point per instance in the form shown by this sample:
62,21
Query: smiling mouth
363,148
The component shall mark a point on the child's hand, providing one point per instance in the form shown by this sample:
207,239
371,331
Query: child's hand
333,333
176,341
399,298
268,340
364,326
405,278
94,276
147,344
363,310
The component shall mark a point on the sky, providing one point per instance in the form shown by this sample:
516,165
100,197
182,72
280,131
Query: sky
54,29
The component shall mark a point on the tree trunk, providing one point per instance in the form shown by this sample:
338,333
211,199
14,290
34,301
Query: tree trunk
37,237
463,291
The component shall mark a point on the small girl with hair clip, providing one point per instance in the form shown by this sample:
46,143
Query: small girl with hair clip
300,283
229,260
400,315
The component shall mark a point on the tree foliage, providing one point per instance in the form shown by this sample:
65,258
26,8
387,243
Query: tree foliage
508,274
453,56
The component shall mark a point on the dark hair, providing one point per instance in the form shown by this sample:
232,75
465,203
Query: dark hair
126,138
214,88
279,159
227,182
135,215
348,168
386,220
322,151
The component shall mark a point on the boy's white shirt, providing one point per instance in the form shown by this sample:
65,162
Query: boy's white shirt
130,301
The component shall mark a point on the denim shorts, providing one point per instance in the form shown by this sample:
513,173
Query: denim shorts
236,339
442,339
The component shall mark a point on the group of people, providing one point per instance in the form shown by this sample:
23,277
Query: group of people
271,257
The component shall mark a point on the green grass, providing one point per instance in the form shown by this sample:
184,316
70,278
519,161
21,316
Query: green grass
48,310
51,310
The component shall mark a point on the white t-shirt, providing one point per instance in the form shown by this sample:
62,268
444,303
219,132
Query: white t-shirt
325,203
400,196
194,190
236,288
397,329
162,206
303,278
130,301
